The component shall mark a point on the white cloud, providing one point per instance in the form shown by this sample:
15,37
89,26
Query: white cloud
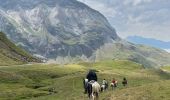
168,50
150,24
136,2
102,7
147,18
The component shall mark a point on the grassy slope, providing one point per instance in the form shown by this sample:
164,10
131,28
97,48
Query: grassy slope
11,54
148,56
55,82
166,69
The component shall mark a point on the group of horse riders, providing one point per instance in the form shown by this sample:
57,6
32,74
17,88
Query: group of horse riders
91,81
113,84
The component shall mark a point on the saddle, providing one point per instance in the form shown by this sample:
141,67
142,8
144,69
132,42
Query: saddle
91,82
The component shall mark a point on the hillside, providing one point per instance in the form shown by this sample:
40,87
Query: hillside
123,50
64,82
166,69
11,54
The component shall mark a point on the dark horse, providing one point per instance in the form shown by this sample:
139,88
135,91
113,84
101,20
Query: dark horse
124,82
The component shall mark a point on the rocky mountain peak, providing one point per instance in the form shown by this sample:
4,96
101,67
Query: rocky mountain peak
53,28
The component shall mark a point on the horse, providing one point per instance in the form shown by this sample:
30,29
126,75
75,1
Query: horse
104,87
85,83
124,83
113,85
93,89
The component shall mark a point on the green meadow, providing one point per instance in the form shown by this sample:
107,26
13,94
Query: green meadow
65,82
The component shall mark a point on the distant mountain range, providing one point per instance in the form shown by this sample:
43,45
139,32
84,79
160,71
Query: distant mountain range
67,31
150,42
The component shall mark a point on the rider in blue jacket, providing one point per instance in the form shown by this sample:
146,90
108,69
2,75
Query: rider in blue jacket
91,76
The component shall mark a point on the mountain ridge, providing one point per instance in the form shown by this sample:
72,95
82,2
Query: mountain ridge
67,31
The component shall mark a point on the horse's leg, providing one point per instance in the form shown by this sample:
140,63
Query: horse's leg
101,89
112,87
90,94
94,96
86,89
97,95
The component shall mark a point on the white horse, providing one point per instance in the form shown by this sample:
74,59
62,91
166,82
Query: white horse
114,85
104,87
92,88
95,90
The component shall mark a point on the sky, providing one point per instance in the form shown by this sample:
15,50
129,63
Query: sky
146,18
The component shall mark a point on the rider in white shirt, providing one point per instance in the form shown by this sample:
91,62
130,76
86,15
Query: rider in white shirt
104,82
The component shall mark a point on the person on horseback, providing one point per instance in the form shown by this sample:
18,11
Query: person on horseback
92,80
124,82
104,85
91,76
104,82
114,83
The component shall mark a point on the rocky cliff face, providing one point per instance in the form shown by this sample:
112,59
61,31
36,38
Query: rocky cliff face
55,28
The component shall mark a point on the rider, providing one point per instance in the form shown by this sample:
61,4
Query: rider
104,82
124,82
114,82
91,76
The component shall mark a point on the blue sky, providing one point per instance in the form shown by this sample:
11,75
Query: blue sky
146,18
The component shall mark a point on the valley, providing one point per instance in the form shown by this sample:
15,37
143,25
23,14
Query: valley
71,38
65,82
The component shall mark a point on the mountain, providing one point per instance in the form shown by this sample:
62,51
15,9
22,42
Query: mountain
55,27
69,31
11,54
149,41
